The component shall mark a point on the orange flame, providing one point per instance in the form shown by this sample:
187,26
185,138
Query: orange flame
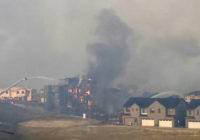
69,90
88,92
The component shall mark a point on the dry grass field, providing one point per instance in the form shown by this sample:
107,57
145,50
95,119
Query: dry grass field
84,130
11,116
34,123
53,123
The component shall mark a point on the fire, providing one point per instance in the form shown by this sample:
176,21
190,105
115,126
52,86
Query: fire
81,92
69,90
88,92
81,99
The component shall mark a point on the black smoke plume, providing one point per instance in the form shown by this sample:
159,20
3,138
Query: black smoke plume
109,55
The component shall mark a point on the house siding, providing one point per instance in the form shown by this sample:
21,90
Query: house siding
157,110
171,111
193,115
196,113
135,110
133,117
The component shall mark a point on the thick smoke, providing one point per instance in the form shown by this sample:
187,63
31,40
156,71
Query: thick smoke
110,55
164,64
50,38
110,52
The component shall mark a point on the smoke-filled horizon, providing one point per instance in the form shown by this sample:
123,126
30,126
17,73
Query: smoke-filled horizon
50,38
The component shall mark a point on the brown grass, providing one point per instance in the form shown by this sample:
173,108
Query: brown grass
83,131
53,123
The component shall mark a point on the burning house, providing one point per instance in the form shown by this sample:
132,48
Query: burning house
72,96
109,55
79,95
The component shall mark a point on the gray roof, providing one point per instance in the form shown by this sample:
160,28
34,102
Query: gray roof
170,102
193,104
145,102
140,101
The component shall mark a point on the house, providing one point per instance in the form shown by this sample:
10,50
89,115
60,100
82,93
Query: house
135,108
167,112
16,93
193,114
162,112
192,95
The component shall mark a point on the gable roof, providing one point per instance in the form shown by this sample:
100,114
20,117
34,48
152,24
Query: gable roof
169,102
140,101
145,102
193,104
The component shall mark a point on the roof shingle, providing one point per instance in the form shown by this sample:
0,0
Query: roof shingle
145,102
193,104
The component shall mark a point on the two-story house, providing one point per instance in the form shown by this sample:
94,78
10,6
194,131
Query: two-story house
16,93
133,109
162,112
166,112
193,114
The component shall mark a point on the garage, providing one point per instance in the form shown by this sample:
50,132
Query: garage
165,123
147,122
194,125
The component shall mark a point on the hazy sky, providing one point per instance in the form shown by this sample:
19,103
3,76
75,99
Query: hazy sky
48,37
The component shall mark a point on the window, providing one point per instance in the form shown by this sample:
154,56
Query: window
159,110
143,111
132,109
152,110
22,92
17,92
6,92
